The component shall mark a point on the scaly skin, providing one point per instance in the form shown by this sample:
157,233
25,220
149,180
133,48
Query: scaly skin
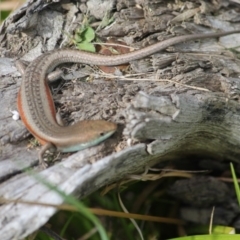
37,109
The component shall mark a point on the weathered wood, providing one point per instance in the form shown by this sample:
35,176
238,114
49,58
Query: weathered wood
188,107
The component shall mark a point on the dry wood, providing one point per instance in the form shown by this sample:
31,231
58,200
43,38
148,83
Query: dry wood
188,107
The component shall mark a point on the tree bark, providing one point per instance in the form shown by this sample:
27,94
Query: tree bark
179,103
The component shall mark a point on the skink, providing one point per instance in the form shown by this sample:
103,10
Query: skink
36,106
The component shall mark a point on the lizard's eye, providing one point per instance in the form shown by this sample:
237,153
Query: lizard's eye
101,134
